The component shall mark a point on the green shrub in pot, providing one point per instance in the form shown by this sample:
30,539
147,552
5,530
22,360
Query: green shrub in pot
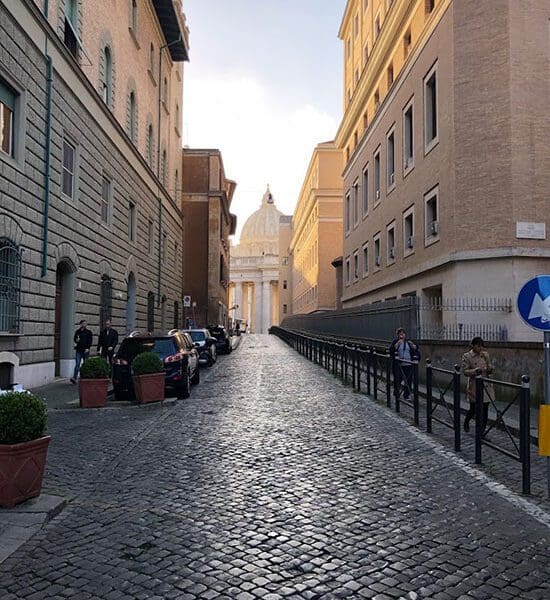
95,368
147,363
23,417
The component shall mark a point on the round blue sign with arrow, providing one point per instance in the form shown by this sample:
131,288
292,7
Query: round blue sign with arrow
534,302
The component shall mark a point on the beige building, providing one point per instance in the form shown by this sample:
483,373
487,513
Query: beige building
285,267
207,225
255,269
316,233
447,162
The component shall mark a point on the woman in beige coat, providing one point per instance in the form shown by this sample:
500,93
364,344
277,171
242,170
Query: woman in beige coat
477,358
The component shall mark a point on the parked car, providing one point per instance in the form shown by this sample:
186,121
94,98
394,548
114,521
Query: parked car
223,341
177,352
205,344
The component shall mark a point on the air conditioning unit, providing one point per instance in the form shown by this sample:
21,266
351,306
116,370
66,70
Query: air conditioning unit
377,261
410,242
434,227
378,194
392,252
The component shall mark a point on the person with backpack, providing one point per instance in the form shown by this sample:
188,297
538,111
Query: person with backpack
403,352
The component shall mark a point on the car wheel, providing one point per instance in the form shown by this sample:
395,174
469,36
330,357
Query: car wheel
196,377
183,390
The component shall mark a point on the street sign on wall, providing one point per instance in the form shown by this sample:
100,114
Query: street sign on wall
534,302
186,301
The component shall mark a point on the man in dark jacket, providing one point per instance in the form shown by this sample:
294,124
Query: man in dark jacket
403,352
108,339
82,343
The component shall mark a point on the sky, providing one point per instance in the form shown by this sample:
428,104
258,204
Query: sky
263,85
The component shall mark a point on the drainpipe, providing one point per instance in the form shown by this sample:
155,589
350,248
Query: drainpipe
47,175
158,176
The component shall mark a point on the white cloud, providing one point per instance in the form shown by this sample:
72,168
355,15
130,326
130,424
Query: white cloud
262,137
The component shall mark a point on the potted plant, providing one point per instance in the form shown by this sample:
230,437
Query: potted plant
148,371
94,382
23,447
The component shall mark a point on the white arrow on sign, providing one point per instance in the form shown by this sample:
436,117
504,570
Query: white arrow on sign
540,309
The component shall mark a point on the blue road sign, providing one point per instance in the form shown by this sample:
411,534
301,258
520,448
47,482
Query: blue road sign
534,302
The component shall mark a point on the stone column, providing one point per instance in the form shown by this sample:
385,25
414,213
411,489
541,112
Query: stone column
238,299
266,310
258,308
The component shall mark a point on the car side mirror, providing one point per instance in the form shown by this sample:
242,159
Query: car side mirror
196,345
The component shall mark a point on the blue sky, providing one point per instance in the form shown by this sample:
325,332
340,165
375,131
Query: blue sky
264,85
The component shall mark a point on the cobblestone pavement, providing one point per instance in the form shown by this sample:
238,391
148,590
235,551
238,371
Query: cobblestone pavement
272,481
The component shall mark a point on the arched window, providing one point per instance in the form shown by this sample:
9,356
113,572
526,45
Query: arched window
163,168
133,15
10,286
176,314
150,145
163,314
133,117
152,59
107,83
176,185
165,91
150,312
105,300
177,120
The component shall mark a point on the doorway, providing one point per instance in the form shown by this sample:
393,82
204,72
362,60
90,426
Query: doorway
64,317
131,304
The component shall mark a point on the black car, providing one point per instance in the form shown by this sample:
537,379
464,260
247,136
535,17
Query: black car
205,344
177,352
223,341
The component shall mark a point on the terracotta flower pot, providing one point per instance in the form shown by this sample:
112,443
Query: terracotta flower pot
92,392
21,470
149,388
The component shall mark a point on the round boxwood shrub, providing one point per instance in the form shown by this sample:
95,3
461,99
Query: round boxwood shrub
147,362
95,368
23,417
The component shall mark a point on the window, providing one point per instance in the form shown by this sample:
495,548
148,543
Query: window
347,272
356,202
163,168
391,243
365,191
377,176
177,119
285,284
165,92
407,43
150,312
285,309
376,26
10,285
355,265
105,300
70,37
365,119
150,145
7,111
152,60
376,100
347,215
408,231
390,165
348,48
176,315
163,247
430,108
377,258
285,261
176,185
68,169
429,5
365,260
105,200
132,124
356,77
107,81
150,237
356,26
132,222
390,76
432,212
133,15
408,137
163,313
366,52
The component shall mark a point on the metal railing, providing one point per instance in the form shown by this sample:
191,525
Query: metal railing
381,376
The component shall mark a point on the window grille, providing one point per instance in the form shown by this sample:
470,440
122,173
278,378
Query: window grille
105,300
10,286
150,311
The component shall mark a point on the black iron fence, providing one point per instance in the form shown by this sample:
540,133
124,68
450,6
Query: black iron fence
396,381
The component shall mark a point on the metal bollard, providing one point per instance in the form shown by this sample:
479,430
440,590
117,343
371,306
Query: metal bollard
369,361
388,381
525,433
429,395
416,404
479,416
456,407
358,364
375,374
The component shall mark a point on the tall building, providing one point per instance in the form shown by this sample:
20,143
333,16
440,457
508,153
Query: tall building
316,233
90,157
285,267
208,223
447,164
255,268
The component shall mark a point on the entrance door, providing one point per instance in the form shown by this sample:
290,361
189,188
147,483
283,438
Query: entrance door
58,313
131,305
65,278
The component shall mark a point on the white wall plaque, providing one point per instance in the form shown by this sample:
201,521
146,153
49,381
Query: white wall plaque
531,231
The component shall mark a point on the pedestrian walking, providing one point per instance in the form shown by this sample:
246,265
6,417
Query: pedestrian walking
107,342
403,349
477,358
83,342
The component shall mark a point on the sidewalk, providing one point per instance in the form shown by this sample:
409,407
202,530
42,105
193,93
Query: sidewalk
61,393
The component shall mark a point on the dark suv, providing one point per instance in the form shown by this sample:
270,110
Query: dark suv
223,341
205,344
177,352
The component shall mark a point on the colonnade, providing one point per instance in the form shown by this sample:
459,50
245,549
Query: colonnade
258,303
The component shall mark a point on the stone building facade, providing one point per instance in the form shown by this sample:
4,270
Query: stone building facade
208,223
316,233
255,269
285,267
90,223
447,165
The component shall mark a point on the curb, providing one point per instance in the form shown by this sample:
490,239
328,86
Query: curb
20,524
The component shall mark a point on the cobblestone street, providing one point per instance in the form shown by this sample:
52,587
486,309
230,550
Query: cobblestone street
272,481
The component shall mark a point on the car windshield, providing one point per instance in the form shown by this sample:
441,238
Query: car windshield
131,347
197,336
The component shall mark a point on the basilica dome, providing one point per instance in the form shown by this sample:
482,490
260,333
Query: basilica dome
260,234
